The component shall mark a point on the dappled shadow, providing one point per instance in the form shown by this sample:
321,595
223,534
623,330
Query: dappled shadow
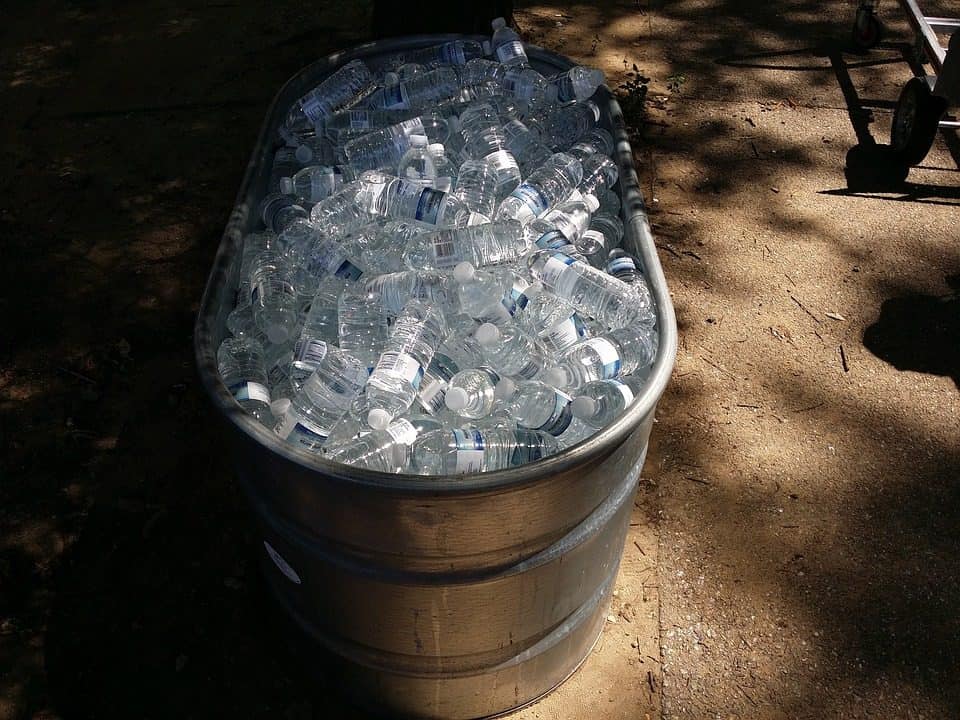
919,332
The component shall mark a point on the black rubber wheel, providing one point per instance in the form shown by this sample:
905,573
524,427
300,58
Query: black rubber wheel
915,121
868,30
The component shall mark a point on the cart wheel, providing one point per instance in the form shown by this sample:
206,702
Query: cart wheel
915,121
868,30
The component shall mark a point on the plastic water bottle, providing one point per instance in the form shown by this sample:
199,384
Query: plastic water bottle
507,45
600,402
315,150
316,182
355,122
562,225
470,450
321,321
389,196
577,83
418,92
395,381
285,163
241,324
278,210
595,142
278,360
396,289
510,351
600,173
416,163
445,169
607,357
545,187
383,450
589,290
476,188
489,146
482,293
480,245
527,86
624,266
362,326
561,127
273,297
383,148
335,92
242,369
610,203
455,52
340,214
472,393
535,405
384,253
433,386
525,146
609,226
325,397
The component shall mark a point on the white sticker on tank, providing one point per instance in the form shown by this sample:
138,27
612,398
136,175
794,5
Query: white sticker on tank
282,564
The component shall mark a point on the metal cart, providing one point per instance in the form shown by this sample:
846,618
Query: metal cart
925,98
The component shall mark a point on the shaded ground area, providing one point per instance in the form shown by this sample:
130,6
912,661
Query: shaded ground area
803,479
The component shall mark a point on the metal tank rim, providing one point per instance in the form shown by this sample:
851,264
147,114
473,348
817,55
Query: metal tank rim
636,224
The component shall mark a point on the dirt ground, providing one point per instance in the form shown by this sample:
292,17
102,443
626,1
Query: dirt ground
793,548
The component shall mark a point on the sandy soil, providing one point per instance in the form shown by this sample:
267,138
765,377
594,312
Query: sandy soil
792,552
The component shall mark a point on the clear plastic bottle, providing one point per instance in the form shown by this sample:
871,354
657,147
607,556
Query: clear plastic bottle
384,450
527,86
561,127
384,253
545,187
253,245
591,291
606,357
395,381
352,123
472,393
482,293
471,450
386,195
416,163
383,148
340,214
480,245
362,327
595,142
334,93
325,397
609,226
562,225
445,170
476,188
278,210
242,369
600,402
433,386
507,45
417,92
273,297
396,289
600,173
534,405
525,146
624,266
321,320
553,322
316,182
489,146
610,204
510,351
455,52
285,163
314,150
577,83
278,360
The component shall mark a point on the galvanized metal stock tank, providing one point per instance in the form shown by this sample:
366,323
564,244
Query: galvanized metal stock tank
451,597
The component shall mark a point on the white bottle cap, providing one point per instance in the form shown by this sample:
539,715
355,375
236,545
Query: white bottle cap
436,149
303,154
419,141
378,419
487,334
456,398
464,272
505,388
280,406
583,407
498,23
591,202
555,377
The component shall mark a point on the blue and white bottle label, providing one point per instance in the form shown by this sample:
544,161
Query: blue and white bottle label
608,356
555,266
247,390
470,447
401,365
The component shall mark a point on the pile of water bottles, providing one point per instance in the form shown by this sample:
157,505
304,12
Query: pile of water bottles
439,286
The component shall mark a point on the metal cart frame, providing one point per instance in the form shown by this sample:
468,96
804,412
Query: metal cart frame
925,98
